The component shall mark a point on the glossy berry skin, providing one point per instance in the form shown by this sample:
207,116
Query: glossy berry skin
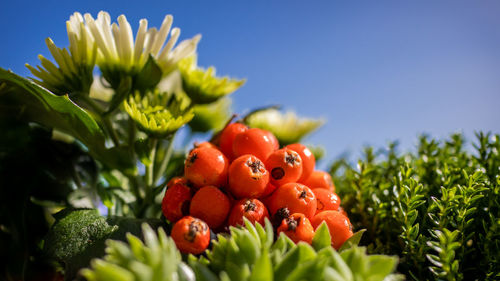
326,199
252,209
297,197
319,179
253,141
248,177
175,204
227,136
308,160
191,235
298,228
205,144
206,166
274,140
270,188
339,226
284,166
211,205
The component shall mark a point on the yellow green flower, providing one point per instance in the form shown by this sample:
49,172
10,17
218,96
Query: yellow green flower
202,86
211,117
287,127
158,113
73,72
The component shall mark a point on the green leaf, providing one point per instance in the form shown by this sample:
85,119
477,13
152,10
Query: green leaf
149,76
263,269
292,259
123,90
353,240
322,237
26,100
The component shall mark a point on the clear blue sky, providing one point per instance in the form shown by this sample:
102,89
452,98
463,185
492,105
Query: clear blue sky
376,70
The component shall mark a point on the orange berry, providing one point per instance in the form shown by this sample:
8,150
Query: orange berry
308,160
298,228
248,177
206,166
253,141
338,224
252,209
274,140
297,197
227,138
204,144
175,204
284,165
320,179
270,188
326,199
211,205
191,235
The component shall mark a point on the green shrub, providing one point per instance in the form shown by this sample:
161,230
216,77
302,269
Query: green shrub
438,208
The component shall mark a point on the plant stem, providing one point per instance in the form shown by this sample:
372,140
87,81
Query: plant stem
164,163
105,118
150,166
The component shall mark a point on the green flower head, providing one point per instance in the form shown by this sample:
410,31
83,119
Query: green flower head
211,117
202,86
287,127
73,72
158,114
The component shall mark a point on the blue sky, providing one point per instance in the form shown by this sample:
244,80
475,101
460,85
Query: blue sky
376,70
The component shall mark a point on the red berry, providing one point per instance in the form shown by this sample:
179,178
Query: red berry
284,165
211,205
320,179
175,204
227,138
191,235
253,141
206,166
308,160
252,209
297,197
248,177
298,228
326,199
274,140
339,226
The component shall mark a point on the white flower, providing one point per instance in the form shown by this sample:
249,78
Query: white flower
117,46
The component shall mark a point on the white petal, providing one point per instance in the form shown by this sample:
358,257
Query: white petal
174,36
162,34
150,39
140,39
126,39
98,36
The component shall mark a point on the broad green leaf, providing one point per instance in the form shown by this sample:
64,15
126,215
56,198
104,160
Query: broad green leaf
353,240
32,103
322,237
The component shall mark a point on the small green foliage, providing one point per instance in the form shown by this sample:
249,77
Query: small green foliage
438,209
77,236
202,86
157,258
288,127
249,253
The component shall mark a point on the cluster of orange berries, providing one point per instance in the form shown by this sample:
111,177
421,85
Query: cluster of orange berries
248,175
